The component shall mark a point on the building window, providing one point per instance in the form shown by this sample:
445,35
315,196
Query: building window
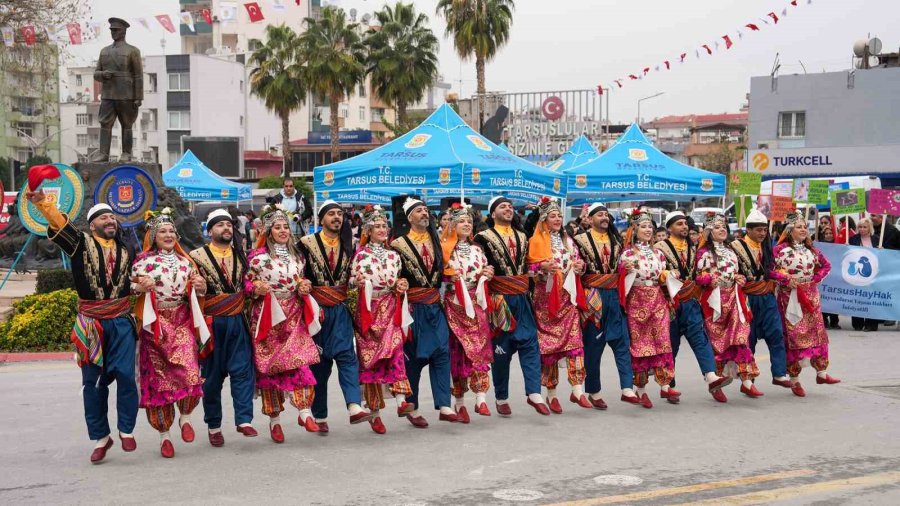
23,154
242,120
84,119
792,125
81,140
24,129
180,81
254,45
179,120
78,80
250,173
362,113
378,115
151,83
362,90
345,111
26,106
241,86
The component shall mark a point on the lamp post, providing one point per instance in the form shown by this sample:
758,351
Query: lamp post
638,120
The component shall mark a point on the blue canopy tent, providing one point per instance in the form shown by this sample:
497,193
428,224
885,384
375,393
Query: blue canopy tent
442,156
634,170
195,181
581,151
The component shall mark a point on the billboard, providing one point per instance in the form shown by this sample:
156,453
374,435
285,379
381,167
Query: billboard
223,155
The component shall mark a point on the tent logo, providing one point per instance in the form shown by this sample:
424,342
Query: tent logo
476,176
637,154
325,195
478,142
706,184
444,176
556,185
581,181
224,193
185,172
417,141
329,177
557,164
760,161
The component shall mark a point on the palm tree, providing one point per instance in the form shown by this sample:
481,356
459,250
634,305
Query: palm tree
277,78
334,56
402,57
479,28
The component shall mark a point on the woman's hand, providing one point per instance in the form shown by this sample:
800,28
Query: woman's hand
402,285
548,267
145,283
360,279
305,286
792,283
740,280
488,272
260,288
199,284
630,267
579,267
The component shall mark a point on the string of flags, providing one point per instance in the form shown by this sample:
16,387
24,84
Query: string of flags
79,33
770,19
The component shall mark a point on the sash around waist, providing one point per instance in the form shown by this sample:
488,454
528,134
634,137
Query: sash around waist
689,291
224,304
509,285
759,287
595,280
105,309
424,295
329,296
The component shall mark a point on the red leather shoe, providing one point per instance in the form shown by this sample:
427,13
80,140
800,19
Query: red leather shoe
781,383
541,408
363,416
482,409
751,392
451,417
405,409
797,389
827,380
720,383
323,428
719,396
462,415
309,424
671,395
418,422
646,402
217,439
276,433
166,449
100,453
187,433
129,444
554,405
597,403
377,426
581,401
247,430
631,399
503,409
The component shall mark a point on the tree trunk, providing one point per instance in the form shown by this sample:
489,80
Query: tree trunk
479,71
401,115
335,130
285,143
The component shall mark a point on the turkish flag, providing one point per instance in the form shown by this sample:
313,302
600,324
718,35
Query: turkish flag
683,56
708,50
600,89
74,30
166,22
646,69
632,77
773,16
618,82
667,64
752,27
794,3
728,42
254,12
28,34
206,16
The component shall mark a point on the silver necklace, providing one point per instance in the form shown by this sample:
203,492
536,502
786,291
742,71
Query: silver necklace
644,247
378,251
556,241
282,252
465,249
168,258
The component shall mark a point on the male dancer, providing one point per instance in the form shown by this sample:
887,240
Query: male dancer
422,259
328,256
513,318
104,331
600,248
681,257
228,352
755,260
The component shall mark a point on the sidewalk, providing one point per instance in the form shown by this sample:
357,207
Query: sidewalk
16,288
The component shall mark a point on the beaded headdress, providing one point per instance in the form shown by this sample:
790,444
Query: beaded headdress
459,211
371,214
713,219
156,219
272,213
546,206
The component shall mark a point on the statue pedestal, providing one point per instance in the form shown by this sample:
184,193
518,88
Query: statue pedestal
91,172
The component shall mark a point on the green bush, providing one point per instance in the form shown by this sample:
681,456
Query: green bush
40,322
51,280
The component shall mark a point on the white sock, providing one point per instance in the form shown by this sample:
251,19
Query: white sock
274,420
578,391
183,419
163,436
460,402
821,374
321,420
795,380
535,398
783,378
445,410
595,396
376,413
414,414
747,383
640,391
244,425
503,402
804,362
627,392
125,434
215,431
479,398
551,393
711,376
353,408
665,388
400,398
102,442
306,413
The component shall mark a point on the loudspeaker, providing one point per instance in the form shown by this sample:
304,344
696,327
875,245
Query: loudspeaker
446,202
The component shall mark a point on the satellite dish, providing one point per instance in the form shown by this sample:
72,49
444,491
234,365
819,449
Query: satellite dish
353,15
874,45
859,48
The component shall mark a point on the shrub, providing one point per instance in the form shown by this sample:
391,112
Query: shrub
40,322
51,280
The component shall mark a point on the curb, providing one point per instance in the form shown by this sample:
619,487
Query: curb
35,357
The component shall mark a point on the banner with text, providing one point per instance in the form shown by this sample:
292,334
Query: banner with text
861,282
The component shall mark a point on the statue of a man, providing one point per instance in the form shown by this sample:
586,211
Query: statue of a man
120,70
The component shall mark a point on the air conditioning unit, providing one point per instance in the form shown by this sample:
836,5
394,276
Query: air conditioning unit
767,145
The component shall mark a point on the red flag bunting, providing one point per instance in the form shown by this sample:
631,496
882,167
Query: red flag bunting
206,16
166,22
29,35
683,56
254,12
668,67
618,82
74,30
646,70
706,47
632,77
752,27
600,89
728,42
794,3
773,16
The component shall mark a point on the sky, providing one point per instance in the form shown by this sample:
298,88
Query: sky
578,44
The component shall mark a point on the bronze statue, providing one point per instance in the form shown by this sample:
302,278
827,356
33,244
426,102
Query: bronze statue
120,70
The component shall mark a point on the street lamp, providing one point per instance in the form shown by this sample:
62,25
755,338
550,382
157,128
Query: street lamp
638,120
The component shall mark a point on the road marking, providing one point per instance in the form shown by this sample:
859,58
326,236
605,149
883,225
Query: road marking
619,480
780,494
517,494
689,489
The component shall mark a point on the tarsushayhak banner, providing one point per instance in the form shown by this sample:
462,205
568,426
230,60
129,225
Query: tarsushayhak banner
863,282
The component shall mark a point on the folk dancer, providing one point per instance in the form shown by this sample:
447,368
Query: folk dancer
680,254
328,254
382,318
229,352
558,296
512,318
282,313
423,267
104,333
799,268
725,313
467,304
755,260
171,323
642,271
604,322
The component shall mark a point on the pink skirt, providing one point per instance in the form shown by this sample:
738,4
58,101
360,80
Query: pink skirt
170,368
283,358
380,350
559,335
648,324
808,338
470,338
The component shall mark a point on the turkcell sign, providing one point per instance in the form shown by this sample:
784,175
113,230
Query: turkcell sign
801,161
861,160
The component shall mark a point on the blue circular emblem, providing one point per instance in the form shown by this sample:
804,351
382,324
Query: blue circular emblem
129,191
66,191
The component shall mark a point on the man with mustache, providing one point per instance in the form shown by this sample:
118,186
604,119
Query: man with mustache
329,254
104,331
223,266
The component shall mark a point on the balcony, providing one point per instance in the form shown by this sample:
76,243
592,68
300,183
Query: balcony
201,27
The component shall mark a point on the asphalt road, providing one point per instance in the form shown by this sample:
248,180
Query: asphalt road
839,445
